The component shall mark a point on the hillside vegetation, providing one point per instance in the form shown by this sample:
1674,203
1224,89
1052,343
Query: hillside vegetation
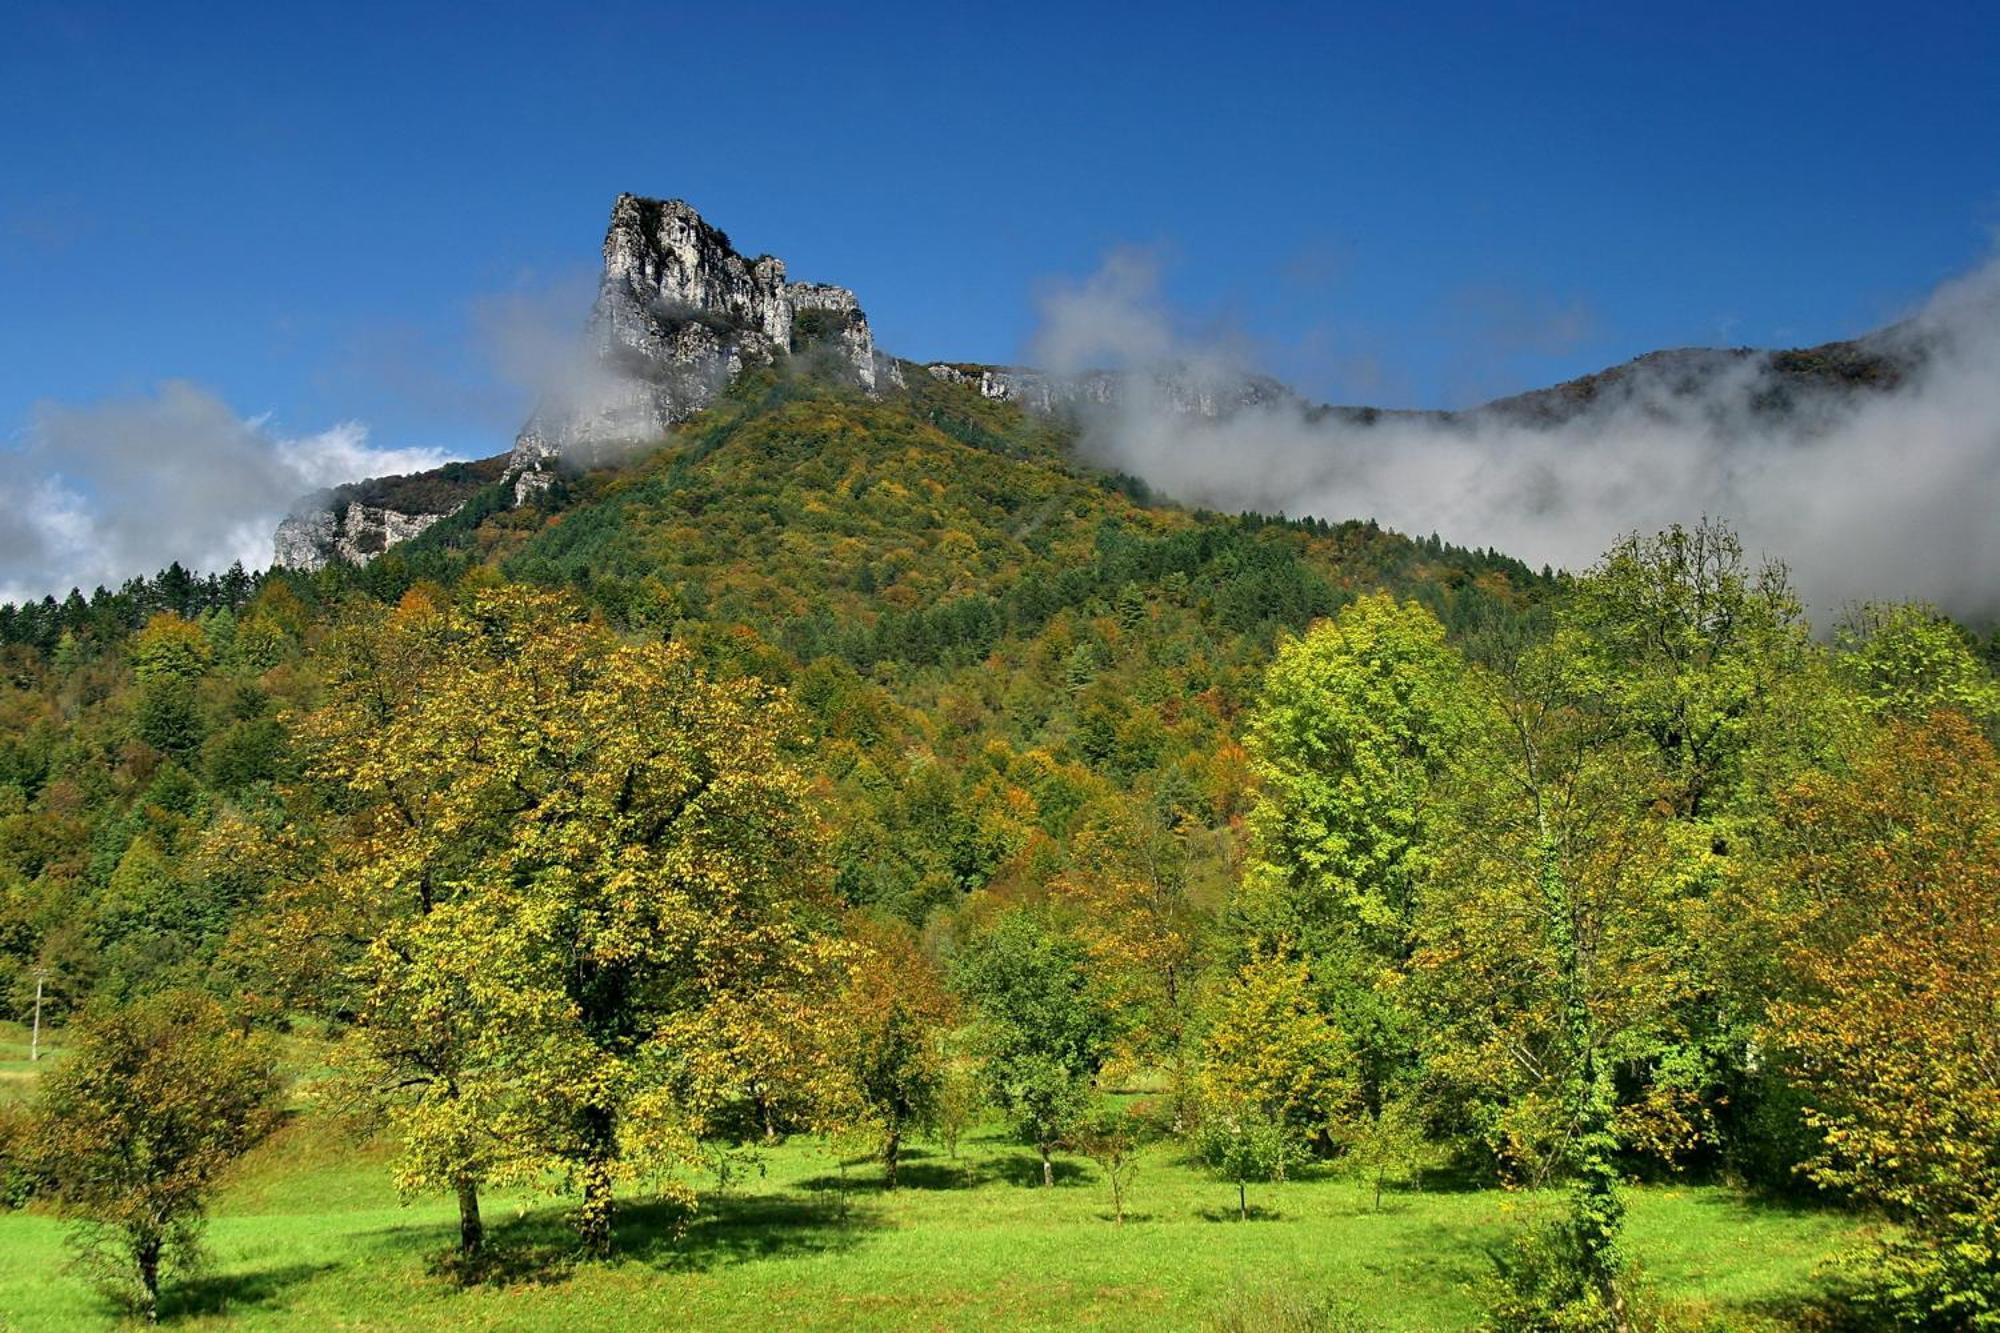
742,878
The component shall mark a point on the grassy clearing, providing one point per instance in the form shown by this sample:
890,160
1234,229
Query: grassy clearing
17,1072
310,1235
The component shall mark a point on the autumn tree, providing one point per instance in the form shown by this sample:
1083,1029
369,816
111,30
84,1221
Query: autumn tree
347,928
889,1031
1042,1030
149,1104
1275,1074
1892,1025
1697,655
1131,887
1268,1046
608,856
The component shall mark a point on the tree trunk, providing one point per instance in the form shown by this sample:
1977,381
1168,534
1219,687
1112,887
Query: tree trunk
593,1221
1597,1214
766,1114
146,1253
1048,1168
1242,1202
890,1150
471,1229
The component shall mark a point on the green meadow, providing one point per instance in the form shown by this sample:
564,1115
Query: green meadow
308,1233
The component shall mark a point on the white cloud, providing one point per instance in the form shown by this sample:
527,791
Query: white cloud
100,493
1868,495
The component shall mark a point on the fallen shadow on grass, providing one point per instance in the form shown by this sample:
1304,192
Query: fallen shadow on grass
1785,1203
1025,1169
1232,1214
1820,1311
223,1294
734,1231
541,1249
909,1176
923,1171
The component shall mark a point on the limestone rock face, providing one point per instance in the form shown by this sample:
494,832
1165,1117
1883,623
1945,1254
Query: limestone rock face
358,522
355,532
679,315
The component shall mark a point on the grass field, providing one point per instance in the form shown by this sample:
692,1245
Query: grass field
17,1072
309,1234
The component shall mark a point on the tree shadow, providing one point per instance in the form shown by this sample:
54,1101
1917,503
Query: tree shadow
957,1175
1451,1178
530,1252
1816,1311
1025,1169
1258,1213
1788,1203
933,1175
228,1293
738,1230
541,1248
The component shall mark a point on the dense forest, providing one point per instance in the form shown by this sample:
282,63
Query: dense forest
871,770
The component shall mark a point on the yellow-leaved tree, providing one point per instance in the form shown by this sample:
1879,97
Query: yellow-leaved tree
589,873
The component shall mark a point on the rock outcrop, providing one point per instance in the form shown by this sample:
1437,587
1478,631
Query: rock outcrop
358,522
679,315
356,533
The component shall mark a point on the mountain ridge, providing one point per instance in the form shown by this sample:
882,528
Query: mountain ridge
681,314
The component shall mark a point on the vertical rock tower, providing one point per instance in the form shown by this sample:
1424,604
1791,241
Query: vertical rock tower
679,315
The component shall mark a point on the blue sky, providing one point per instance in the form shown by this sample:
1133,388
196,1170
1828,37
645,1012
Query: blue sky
305,209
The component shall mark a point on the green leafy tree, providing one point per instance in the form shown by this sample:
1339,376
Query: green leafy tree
1388,1144
1114,1138
1355,722
961,1096
1687,644
131,1129
1244,1144
170,656
1043,1033
1909,660
1551,948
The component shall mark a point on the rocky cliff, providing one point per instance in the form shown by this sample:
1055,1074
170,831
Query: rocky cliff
358,522
679,315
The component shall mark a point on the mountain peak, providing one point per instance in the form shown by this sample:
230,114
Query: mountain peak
681,313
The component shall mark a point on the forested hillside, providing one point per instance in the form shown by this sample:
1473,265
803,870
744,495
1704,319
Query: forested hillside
984,635
844,765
